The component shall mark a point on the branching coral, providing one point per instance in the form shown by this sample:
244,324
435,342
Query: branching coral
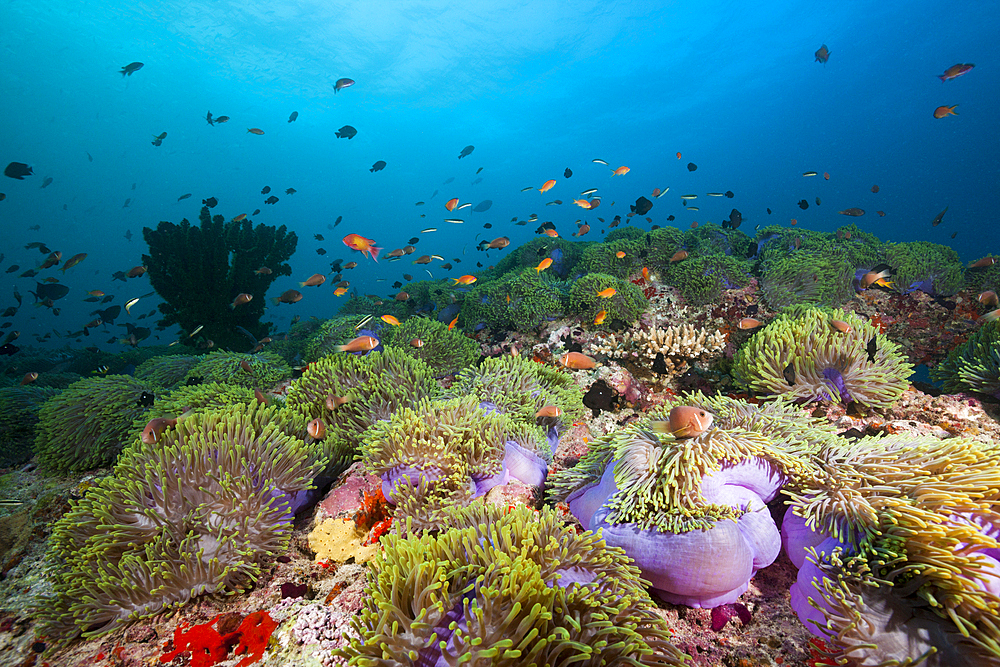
673,341
974,365
19,408
445,351
189,515
692,512
265,369
626,304
929,267
199,271
166,371
802,355
88,424
897,541
506,588
371,387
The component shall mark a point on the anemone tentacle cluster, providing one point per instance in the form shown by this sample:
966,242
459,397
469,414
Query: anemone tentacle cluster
805,354
973,365
674,504
445,351
166,371
506,588
189,515
265,368
898,545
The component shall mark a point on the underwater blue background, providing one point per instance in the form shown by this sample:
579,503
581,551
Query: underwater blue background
535,86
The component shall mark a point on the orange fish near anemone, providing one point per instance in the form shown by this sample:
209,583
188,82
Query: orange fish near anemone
451,204
360,243
685,421
548,185
577,360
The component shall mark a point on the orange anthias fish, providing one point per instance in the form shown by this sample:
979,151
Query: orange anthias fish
544,264
620,171
465,280
451,325
451,204
577,360
389,319
551,232
582,203
941,112
358,242
620,254
607,293
955,71
678,155
645,274
255,130
548,185
359,344
600,317
340,291
822,54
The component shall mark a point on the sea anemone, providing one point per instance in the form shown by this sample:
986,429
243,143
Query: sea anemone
626,304
445,351
692,511
265,369
929,267
330,334
192,514
804,277
88,424
19,408
166,371
973,365
702,280
519,301
897,544
506,588
802,355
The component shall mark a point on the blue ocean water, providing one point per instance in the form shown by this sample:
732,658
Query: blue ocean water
536,87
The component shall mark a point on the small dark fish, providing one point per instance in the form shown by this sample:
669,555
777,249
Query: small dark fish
17,170
221,119
208,117
127,202
670,218
479,170
769,211
337,221
407,277
46,183
318,237
477,181
9,349
479,264
184,196
90,157
735,219
567,173
487,226
692,166
146,399
939,217
271,200
729,194
290,191
789,374
30,273
295,114
872,348
752,309
320,251
133,186
954,234
131,67
803,204
378,166
822,54
818,202
642,206
346,132
415,240
264,190
483,206
856,212
12,268
128,234
341,84
445,183
466,151
256,211
211,202
3,196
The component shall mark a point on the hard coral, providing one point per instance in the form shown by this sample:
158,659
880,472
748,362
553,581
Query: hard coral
88,424
199,270
506,588
192,514
801,355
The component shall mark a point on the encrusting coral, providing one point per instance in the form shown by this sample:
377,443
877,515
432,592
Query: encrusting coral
189,515
807,355
973,365
897,545
88,424
199,271
692,511
506,588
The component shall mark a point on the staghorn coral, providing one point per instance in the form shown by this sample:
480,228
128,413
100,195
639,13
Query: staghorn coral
973,365
227,367
692,512
190,515
376,386
800,355
506,588
806,277
897,544
448,452
445,351
19,408
626,305
88,424
199,270
166,371
929,267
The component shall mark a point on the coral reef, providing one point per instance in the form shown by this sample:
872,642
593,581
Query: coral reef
445,351
802,355
88,424
199,270
189,515
897,542
331,333
265,368
506,588
974,365
565,256
519,301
